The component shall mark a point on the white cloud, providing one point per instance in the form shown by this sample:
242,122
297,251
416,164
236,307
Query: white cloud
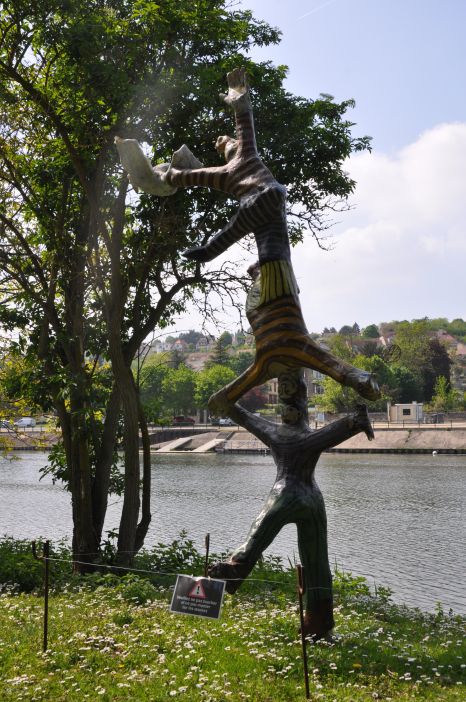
401,253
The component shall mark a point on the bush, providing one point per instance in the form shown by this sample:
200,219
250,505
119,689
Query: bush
18,568
137,590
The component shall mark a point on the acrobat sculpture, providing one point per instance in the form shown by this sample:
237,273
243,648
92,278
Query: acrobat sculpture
283,347
295,496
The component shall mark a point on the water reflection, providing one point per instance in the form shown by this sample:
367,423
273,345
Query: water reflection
396,519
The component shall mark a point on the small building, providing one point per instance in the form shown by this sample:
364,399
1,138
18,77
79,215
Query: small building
405,412
313,380
271,390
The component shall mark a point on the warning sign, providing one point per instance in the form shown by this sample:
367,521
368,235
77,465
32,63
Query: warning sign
201,597
198,591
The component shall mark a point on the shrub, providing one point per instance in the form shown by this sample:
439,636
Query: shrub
18,568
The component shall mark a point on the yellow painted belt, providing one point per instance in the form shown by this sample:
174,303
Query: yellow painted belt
277,280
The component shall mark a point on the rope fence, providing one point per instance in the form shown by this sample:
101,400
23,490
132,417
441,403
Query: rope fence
46,558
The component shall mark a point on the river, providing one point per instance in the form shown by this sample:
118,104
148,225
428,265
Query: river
396,519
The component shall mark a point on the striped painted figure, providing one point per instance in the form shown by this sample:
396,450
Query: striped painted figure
282,340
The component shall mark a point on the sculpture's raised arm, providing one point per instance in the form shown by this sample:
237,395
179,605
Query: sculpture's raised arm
261,428
340,430
237,152
238,99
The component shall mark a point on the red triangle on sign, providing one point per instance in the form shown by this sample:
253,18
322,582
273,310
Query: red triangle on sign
197,591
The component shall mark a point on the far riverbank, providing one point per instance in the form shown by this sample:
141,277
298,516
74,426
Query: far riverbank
413,440
418,439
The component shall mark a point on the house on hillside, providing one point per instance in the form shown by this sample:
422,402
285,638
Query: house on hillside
180,345
204,343
161,346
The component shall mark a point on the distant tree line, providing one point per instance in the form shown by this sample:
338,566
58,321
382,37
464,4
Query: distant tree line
414,366
169,387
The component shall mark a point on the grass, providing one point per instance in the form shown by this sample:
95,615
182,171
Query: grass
114,639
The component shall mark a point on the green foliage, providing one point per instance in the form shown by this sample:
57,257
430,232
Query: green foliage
137,590
407,384
180,556
241,361
151,377
445,398
178,388
407,371
18,568
21,572
22,382
211,380
340,346
423,355
370,332
225,339
337,398
219,355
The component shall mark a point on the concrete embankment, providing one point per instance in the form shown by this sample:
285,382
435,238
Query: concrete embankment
27,440
443,440
415,440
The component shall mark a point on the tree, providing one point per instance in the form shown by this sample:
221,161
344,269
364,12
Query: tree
370,332
240,361
423,355
408,388
346,330
337,398
225,339
254,399
150,385
457,327
177,358
440,364
178,387
340,347
240,337
211,380
445,399
219,355
86,272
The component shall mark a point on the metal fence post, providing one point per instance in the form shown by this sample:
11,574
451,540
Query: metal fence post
299,573
45,559
207,547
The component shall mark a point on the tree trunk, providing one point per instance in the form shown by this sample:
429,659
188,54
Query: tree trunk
146,515
85,542
131,501
104,459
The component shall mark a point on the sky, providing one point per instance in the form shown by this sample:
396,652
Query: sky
400,252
